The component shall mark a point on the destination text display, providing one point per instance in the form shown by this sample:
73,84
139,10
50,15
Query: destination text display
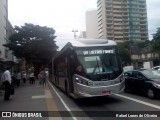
95,52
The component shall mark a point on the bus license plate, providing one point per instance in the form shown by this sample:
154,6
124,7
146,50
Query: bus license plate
106,92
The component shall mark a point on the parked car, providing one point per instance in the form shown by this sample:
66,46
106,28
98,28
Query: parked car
156,68
145,81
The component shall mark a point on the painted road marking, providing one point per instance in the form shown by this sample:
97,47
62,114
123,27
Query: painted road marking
48,94
51,106
139,101
65,105
38,96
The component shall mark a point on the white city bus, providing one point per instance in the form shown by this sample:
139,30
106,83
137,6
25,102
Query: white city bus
88,68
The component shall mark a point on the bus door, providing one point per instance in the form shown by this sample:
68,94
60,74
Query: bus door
71,71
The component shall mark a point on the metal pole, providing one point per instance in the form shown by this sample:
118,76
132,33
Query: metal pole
75,31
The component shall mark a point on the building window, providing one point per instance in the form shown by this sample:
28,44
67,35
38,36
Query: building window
109,21
108,8
109,26
125,34
110,38
126,38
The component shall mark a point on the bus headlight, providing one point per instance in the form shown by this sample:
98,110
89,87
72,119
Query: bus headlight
81,81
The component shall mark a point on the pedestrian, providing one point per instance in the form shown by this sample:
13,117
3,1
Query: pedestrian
40,78
6,77
1,84
31,77
13,77
24,77
44,77
28,77
18,79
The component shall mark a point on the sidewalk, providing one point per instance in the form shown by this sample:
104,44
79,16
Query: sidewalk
29,97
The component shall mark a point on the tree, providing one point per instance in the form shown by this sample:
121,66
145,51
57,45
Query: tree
143,44
156,41
124,50
34,43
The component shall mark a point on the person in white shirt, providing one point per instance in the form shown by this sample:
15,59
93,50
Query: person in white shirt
6,77
31,77
24,77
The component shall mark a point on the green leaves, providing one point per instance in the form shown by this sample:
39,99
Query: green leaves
33,42
124,49
156,41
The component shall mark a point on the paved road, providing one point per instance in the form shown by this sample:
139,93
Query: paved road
132,103
36,98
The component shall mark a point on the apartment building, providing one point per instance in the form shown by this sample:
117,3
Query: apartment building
91,24
6,30
122,20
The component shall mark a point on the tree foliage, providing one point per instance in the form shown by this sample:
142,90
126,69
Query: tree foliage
143,44
156,41
34,43
125,54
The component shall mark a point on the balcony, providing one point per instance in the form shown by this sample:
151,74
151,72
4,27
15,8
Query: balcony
117,31
116,2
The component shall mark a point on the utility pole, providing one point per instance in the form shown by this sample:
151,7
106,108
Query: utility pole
74,32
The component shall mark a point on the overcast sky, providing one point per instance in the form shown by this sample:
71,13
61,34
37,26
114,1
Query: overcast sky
66,15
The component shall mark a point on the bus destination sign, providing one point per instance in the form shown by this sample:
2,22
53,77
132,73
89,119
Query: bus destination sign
94,52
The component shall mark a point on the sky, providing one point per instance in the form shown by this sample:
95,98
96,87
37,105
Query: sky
65,15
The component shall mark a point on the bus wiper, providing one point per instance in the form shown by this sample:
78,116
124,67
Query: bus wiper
97,65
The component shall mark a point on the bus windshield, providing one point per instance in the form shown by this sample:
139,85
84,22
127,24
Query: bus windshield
100,65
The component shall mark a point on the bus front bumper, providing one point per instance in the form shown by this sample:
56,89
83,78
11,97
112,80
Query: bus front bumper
81,90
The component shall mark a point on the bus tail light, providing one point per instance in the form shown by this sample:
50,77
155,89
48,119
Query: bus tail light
81,81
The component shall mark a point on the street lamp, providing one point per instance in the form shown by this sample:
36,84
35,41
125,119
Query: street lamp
74,32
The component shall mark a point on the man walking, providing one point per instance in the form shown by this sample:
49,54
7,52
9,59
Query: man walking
6,77
43,77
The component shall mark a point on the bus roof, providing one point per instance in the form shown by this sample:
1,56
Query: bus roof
91,42
86,43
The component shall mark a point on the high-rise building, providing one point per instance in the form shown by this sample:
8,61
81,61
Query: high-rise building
91,24
122,20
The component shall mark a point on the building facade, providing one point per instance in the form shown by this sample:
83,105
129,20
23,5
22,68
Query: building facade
91,24
144,57
122,20
6,30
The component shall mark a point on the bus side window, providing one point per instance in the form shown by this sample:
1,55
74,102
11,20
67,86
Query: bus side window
62,67
72,63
